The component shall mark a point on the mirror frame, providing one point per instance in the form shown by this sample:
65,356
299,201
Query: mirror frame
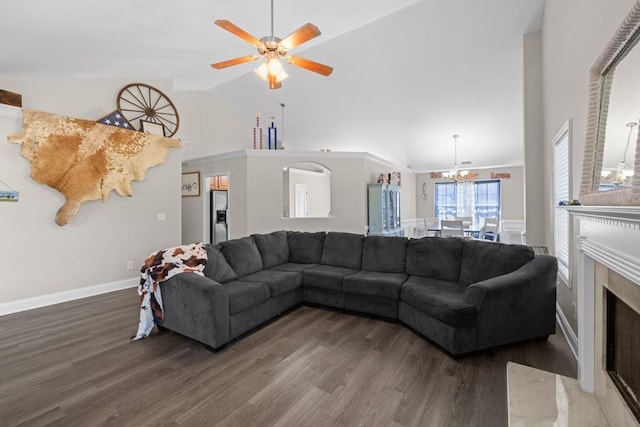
600,81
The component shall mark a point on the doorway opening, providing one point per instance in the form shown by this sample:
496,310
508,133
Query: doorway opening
217,209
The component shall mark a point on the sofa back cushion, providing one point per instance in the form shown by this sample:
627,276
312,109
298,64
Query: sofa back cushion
435,257
384,254
217,267
273,248
342,250
305,247
485,260
242,255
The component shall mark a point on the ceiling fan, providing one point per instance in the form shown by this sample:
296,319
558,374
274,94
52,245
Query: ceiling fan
272,49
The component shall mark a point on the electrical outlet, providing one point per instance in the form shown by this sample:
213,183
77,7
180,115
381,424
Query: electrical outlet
161,216
129,265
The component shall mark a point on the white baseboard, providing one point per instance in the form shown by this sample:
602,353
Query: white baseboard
571,337
58,297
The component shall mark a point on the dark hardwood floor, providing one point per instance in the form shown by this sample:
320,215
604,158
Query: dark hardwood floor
72,364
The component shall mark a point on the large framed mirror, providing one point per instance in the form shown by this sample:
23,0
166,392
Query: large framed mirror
306,191
611,166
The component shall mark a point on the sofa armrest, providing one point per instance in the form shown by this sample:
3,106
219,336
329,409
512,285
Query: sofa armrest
197,307
539,272
518,304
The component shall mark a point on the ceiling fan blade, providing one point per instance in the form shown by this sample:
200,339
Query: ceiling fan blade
299,36
234,29
310,65
234,61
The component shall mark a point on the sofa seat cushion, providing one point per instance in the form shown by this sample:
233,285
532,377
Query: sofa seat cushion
293,266
279,282
244,295
383,285
326,277
439,299
384,254
242,255
273,247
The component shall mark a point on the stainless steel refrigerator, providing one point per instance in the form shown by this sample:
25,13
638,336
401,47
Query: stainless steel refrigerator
218,204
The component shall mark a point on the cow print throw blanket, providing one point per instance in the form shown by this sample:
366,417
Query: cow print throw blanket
161,266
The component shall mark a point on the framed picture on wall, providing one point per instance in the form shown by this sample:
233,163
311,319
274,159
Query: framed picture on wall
191,184
152,128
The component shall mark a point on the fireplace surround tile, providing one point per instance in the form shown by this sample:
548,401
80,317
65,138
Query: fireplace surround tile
605,391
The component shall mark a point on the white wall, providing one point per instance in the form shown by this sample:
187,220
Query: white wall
211,126
256,192
512,192
39,258
574,34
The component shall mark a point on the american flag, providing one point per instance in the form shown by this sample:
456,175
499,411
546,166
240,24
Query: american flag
115,118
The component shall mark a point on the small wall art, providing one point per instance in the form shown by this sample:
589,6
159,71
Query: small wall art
9,196
152,128
191,184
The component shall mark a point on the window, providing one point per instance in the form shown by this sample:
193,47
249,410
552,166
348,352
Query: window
477,199
561,192
446,201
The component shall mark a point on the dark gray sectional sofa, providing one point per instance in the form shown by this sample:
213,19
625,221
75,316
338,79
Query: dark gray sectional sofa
464,295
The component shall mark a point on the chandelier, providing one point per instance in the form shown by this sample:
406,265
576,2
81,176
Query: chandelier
456,174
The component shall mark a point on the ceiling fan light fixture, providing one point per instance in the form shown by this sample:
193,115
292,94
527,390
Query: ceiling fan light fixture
262,71
275,67
281,76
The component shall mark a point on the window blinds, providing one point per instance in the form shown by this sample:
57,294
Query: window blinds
561,192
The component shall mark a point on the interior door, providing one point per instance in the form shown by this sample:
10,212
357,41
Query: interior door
301,200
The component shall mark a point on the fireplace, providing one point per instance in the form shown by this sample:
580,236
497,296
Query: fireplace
607,260
623,350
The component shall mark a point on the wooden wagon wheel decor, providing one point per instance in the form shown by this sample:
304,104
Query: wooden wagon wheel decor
139,101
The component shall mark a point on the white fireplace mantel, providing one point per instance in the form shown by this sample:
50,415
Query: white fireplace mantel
629,214
609,235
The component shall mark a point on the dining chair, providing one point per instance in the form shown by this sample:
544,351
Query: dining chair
490,229
451,228
467,221
419,229
512,231
431,222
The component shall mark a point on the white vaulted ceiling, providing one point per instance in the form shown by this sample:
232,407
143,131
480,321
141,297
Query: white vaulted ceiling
407,75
